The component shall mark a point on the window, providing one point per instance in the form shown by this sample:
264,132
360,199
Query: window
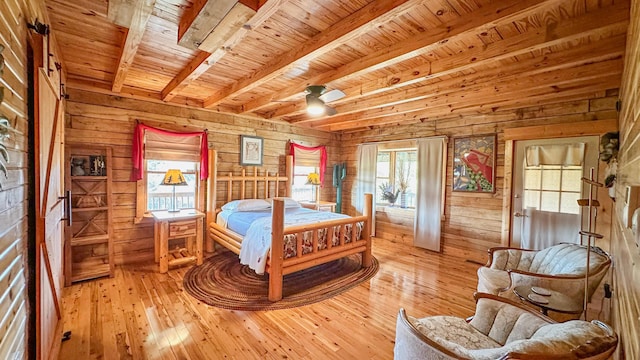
159,197
553,188
396,170
154,152
300,190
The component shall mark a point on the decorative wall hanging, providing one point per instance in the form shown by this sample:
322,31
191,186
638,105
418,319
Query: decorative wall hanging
474,161
5,128
250,150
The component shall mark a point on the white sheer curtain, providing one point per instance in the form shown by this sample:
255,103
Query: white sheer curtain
366,179
429,193
541,229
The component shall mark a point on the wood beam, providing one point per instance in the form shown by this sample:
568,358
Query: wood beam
347,29
134,93
592,25
229,25
200,19
602,50
476,103
138,23
483,19
203,61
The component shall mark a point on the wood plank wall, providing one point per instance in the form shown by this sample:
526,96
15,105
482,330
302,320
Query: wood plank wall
107,120
626,254
13,195
472,221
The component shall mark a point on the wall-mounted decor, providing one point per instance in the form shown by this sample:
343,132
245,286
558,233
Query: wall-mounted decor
474,161
250,150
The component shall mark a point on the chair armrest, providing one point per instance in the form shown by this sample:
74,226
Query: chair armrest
570,285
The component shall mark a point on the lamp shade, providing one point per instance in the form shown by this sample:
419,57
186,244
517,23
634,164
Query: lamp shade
173,177
313,179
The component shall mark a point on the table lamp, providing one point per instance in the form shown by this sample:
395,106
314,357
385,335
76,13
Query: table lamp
314,179
174,177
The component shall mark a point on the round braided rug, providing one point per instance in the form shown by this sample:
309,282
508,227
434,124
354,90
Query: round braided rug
221,281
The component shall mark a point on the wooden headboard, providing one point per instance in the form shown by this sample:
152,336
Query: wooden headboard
225,187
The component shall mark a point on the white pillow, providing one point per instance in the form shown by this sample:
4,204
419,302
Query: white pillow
247,205
288,202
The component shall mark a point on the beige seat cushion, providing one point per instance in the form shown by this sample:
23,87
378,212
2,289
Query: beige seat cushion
453,333
492,281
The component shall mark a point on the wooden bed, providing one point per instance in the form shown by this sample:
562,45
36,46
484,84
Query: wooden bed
252,186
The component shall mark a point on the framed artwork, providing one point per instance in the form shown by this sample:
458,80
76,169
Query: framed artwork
474,161
250,150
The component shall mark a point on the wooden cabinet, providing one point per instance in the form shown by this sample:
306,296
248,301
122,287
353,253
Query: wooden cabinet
88,236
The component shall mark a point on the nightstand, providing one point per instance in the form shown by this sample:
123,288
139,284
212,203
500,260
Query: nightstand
320,206
185,224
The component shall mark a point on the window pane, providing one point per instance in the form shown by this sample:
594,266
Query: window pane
531,199
160,197
551,178
571,180
300,190
383,165
569,203
532,178
550,201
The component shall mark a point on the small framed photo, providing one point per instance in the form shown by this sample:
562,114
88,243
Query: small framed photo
474,161
251,150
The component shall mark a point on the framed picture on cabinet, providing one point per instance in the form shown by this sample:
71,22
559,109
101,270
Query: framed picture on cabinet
474,159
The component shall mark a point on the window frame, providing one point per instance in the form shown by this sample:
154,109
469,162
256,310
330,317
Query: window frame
393,152
141,193
314,189
563,170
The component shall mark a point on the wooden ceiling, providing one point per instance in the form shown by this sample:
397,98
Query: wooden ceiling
397,61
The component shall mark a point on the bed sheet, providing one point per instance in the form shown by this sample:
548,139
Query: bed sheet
257,241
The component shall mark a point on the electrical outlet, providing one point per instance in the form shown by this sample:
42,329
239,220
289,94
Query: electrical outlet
607,291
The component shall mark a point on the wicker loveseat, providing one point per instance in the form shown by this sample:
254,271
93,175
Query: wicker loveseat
501,329
560,267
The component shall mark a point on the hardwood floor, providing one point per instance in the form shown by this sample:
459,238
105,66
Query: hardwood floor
141,314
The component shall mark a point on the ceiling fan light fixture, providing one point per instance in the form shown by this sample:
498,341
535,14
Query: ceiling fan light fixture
315,106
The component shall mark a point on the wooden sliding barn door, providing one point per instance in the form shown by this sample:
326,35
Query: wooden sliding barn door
49,207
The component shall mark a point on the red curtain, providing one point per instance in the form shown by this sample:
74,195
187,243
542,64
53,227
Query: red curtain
137,152
323,156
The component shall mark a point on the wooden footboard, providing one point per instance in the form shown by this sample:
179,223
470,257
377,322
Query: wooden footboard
278,266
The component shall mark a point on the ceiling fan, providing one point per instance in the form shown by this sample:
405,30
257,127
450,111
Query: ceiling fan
318,96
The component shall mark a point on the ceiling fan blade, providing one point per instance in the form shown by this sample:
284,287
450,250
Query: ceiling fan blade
332,95
329,111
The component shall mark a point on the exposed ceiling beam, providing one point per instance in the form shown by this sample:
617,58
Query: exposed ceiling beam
229,25
199,20
592,25
583,91
482,19
349,28
558,62
141,12
204,60
510,90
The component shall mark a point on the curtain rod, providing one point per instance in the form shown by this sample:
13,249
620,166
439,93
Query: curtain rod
414,139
